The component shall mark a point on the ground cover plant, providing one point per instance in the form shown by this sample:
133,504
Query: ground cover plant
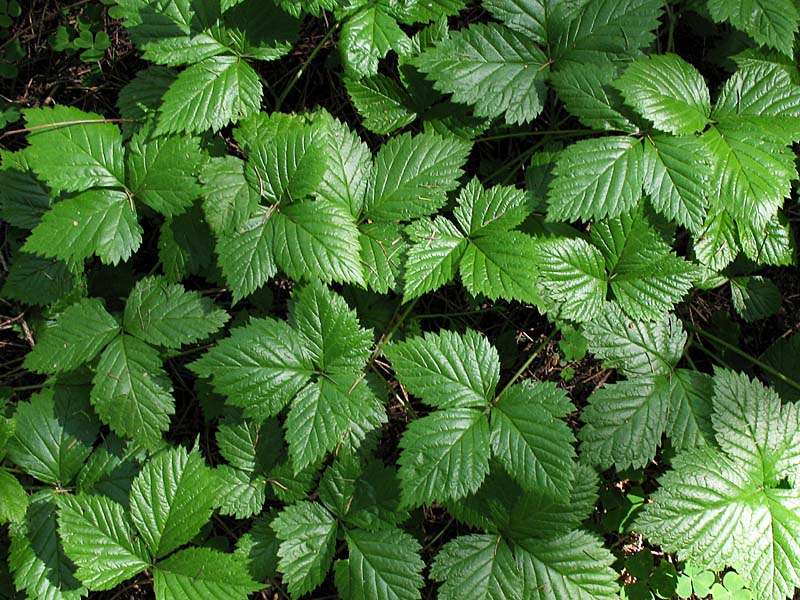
375,299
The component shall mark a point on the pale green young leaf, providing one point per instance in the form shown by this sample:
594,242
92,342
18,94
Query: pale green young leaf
383,253
367,36
488,211
96,222
689,421
494,69
349,168
445,455
165,314
668,91
132,392
162,171
448,369
72,150
381,565
381,102
259,367
171,499
432,259
98,536
246,256
770,22
636,347
755,297
478,566
76,337
624,422
501,265
209,95
15,499
330,329
531,441
308,541
574,565
203,573
228,198
572,273
53,434
317,239
412,175
39,281
36,555
676,178
595,178
771,244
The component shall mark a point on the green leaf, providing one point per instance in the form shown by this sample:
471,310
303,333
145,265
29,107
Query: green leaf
209,95
72,150
689,422
317,239
368,35
36,556
573,274
490,67
668,91
249,446
259,548
308,541
76,337
162,171
624,422
382,565
383,252
771,244
783,356
260,367
381,102
574,565
38,281
97,535
54,434
490,211
433,258
97,222
412,176
23,198
478,566
246,257
636,347
242,495
445,455
755,297
203,573
171,499
447,370
349,169
165,314
676,178
717,244
768,22
132,392
140,98
531,441
228,198
529,17
15,499
595,178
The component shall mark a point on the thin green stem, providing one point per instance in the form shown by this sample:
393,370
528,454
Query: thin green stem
438,535
304,66
387,337
521,371
713,356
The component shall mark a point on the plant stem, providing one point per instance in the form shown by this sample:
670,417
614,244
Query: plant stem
303,67
553,132
528,362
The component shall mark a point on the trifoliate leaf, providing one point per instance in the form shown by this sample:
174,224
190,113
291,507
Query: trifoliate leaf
494,69
689,421
228,198
383,253
412,176
595,178
203,573
308,541
381,565
478,566
131,392
349,168
531,442
573,274
209,95
624,422
368,35
38,281
97,222
162,171
769,22
432,260
15,499
72,150
676,178
636,347
36,556
755,297
445,456
259,367
164,314
79,333
381,102
246,257
447,370
668,91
